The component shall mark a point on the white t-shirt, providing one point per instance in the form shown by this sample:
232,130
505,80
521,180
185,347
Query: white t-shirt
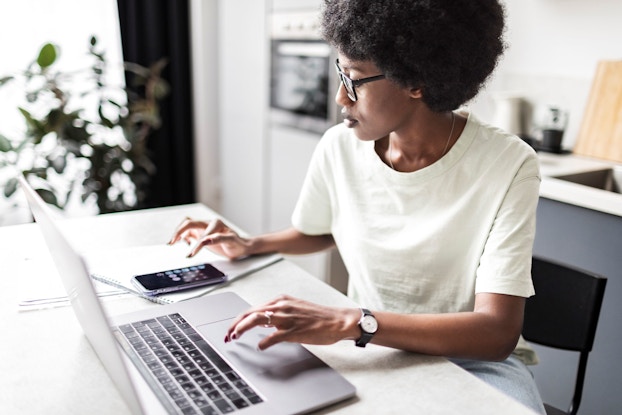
429,240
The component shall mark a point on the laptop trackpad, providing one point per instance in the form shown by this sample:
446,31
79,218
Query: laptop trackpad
281,361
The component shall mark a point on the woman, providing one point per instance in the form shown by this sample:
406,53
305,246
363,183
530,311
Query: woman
432,211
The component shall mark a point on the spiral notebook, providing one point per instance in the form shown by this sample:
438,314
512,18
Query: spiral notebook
116,267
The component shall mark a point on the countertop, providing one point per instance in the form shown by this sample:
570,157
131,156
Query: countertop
552,165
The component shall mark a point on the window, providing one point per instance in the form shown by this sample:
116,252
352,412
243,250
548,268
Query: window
27,25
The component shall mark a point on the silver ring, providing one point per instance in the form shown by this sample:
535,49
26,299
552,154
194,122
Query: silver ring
269,315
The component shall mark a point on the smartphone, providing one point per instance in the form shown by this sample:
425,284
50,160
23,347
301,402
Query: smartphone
172,280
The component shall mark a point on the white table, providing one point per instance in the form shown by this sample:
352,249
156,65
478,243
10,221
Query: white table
49,367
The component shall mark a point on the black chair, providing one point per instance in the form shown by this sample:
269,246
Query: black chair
564,314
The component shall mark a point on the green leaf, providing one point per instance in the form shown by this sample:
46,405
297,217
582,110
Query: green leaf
161,89
158,66
36,129
48,196
10,187
47,55
55,119
37,171
5,79
27,115
74,133
32,96
5,144
115,103
105,121
58,163
137,69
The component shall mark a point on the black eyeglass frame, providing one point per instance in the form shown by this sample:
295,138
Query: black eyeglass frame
350,84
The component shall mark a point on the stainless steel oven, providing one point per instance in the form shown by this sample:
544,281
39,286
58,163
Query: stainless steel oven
303,81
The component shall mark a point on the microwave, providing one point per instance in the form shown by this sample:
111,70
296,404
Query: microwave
303,80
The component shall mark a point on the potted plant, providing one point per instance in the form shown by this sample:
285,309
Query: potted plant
91,141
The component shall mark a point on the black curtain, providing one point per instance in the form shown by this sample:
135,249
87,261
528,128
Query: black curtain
151,30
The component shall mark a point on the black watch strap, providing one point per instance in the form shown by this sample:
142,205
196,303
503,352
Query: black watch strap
366,335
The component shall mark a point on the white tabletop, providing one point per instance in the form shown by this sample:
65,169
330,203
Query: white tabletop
48,366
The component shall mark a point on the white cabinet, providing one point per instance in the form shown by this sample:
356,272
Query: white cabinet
289,153
242,96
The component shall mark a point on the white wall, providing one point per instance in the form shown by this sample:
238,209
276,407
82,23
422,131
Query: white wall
554,47
562,37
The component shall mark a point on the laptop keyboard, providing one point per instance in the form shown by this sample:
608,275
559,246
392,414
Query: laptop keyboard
187,368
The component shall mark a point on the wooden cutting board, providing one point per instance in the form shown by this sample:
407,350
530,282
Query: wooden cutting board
600,135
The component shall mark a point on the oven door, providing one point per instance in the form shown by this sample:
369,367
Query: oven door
303,84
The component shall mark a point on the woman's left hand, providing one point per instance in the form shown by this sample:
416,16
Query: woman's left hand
297,321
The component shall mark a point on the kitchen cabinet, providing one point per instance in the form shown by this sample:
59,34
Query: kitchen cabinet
289,153
591,239
243,61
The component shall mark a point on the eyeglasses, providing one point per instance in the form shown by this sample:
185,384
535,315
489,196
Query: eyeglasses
351,84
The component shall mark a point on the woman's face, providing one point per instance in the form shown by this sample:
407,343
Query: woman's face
381,107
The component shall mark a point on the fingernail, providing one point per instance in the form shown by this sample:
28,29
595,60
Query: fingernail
227,340
234,336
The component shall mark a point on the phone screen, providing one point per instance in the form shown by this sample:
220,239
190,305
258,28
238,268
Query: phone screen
179,279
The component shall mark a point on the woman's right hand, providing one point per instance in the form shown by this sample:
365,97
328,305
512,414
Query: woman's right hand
213,235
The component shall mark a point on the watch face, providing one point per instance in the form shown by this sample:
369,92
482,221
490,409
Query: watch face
369,324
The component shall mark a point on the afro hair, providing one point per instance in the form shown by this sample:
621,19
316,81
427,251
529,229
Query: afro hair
448,48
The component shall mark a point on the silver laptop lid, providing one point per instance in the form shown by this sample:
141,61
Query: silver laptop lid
81,293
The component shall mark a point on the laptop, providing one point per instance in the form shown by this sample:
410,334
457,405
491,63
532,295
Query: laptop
172,359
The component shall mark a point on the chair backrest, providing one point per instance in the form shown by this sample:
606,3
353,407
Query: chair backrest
564,312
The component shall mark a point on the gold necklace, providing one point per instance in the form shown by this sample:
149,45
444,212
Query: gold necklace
453,124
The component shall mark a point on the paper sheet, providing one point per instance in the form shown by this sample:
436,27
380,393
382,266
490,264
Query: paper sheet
41,286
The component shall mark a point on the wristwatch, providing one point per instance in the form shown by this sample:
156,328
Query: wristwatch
368,325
